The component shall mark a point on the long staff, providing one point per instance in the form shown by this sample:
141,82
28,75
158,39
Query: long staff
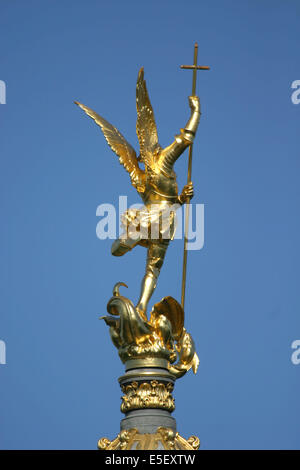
193,67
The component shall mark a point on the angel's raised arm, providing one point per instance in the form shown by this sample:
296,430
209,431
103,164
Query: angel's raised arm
169,155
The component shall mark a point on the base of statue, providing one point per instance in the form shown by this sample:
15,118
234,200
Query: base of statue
149,350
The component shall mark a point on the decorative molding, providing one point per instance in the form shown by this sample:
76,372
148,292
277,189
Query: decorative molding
151,394
164,438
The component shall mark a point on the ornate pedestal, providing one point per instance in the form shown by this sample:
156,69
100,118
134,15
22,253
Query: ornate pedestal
148,350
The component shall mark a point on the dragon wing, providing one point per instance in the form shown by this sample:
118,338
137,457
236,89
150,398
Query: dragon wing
120,146
145,124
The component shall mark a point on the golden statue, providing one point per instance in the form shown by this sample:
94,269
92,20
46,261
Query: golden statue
149,348
152,226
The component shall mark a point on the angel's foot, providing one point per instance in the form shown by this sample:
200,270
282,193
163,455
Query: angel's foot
122,245
142,313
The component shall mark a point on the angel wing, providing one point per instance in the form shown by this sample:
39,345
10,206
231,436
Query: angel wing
120,146
145,124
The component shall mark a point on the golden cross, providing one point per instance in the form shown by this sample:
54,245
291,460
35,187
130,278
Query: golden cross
193,67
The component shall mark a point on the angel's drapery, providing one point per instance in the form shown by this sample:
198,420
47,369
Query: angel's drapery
155,222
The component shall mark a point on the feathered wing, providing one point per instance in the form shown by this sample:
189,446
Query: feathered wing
120,146
145,124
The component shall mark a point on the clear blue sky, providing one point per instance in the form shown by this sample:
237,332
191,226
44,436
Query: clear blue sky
59,387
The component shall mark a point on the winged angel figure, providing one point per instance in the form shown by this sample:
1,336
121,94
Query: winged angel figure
152,226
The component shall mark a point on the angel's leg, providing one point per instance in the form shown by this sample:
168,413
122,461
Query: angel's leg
155,258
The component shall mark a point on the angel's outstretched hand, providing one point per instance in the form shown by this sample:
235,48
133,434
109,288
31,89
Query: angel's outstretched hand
194,103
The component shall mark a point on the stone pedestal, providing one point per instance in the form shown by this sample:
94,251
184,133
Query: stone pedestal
147,403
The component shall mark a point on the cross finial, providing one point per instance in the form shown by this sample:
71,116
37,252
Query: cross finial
195,67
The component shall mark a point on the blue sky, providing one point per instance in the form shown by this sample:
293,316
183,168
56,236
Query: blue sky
59,387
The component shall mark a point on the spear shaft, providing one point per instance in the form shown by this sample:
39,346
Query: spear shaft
193,67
